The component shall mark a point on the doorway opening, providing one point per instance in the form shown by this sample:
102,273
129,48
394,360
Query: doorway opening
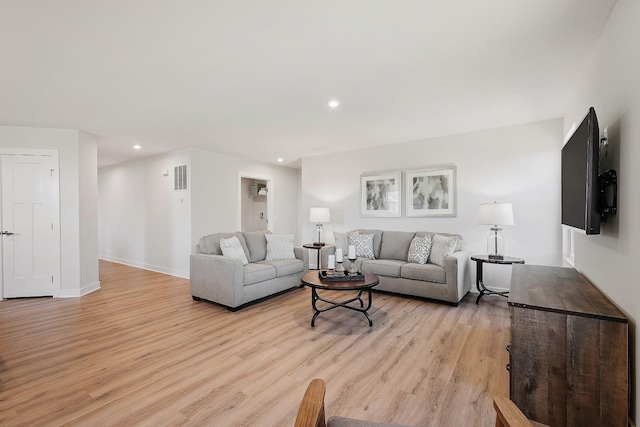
255,202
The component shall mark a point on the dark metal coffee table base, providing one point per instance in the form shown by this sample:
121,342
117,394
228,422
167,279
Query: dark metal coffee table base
345,304
357,303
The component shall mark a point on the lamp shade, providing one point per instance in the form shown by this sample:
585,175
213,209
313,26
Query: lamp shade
496,214
319,215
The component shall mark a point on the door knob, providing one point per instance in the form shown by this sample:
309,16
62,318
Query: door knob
7,233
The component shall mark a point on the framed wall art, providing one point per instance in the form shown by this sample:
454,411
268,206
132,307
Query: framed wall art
381,194
431,192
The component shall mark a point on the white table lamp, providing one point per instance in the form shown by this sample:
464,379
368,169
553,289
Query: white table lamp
495,214
319,216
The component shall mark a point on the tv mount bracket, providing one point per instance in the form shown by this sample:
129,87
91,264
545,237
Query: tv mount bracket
608,200
607,185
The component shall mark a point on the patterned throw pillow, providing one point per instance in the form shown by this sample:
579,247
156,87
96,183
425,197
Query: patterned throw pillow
342,240
419,250
232,248
363,244
279,246
441,247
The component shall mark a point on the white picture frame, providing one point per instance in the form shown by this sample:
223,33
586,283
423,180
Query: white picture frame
381,194
431,192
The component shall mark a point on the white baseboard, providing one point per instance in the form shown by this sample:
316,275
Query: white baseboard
150,267
76,293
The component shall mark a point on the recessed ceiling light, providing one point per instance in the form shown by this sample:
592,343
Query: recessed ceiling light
137,147
280,160
333,103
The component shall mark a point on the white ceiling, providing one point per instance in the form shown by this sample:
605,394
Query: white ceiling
252,78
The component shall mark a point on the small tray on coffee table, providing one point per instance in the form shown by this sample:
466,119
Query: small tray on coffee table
327,276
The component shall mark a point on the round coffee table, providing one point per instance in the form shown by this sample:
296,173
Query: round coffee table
312,280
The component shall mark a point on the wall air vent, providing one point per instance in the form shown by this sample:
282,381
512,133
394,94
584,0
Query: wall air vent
180,178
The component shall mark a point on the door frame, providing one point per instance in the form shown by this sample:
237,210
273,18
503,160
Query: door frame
270,198
55,155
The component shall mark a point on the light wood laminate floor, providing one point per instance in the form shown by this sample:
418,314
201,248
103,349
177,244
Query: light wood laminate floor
140,351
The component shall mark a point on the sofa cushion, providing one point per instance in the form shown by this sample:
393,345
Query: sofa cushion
395,245
256,244
383,267
459,243
279,246
377,240
426,272
441,247
211,244
285,267
363,244
232,248
258,272
419,250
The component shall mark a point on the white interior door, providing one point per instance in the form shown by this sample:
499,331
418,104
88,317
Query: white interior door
29,235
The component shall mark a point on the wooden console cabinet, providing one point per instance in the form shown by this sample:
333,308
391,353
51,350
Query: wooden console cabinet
568,357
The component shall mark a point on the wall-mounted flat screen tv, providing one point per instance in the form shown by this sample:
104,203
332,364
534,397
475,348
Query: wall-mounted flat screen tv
580,162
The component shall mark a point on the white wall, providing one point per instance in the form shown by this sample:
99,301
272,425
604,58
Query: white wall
88,210
145,223
215,193
611,260
519,164
77,278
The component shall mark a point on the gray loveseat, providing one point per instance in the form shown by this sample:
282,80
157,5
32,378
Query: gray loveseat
449,283
224,280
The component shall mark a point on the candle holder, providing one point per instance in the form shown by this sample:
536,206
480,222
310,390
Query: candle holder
339,268
353,271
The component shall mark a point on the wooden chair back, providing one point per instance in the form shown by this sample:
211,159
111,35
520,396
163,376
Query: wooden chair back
311,411
509,415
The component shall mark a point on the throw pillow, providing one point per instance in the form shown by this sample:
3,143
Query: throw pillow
363,244
441,247
419,250
279,246
232,248
342,240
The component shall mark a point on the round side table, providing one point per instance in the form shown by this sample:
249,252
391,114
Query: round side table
316,247
480,260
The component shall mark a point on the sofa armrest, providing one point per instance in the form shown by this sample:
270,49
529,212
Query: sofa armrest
303,255
457,273
217,278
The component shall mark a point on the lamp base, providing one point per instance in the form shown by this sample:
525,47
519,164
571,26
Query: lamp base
318,244
495,244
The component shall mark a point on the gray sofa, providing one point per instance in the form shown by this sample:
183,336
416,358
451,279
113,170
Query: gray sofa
224,280
449,283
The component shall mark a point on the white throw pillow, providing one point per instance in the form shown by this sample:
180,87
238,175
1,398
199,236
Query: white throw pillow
363,244
279,246
419,250
342,240
232,248
441,247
